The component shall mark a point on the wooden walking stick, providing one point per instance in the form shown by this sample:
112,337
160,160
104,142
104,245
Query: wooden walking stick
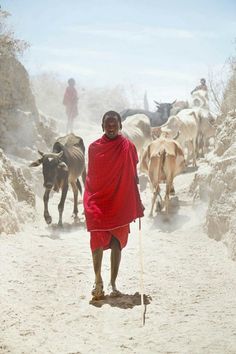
143,306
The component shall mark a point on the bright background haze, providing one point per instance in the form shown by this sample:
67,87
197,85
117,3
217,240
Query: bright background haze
163,47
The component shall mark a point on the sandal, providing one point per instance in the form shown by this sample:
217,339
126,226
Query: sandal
97,291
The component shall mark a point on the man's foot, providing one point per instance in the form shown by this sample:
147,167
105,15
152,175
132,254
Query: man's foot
97,291
113,291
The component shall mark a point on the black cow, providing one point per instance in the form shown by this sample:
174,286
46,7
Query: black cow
61,167
156,118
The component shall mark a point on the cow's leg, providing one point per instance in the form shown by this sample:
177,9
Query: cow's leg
169,184
115,263
97,291
189,147
169,171
172,189
47,216
155,193
62,202
75,191
193,142
201,146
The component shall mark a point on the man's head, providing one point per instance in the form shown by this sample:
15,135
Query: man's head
203,81
111,124
71,82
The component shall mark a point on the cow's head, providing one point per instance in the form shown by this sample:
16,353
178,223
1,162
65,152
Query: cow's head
173,124
52,165
164,108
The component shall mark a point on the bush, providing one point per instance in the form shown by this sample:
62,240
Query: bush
229,96
9,46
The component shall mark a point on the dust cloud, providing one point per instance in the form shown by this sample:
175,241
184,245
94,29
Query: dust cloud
46,272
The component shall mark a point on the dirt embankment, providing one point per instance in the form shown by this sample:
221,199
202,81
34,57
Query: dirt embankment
216,181
221,215
23,130
17,199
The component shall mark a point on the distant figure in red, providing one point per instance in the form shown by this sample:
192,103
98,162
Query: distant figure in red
70,100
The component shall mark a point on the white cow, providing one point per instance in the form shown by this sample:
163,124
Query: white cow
206,129
199,99
137,128
185,124
178,106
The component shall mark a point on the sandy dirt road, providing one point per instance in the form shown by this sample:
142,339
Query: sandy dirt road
46,278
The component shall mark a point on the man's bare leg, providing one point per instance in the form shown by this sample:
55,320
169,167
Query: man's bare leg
97,291
115,263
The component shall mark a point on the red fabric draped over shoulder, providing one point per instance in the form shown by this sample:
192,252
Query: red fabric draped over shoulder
111,197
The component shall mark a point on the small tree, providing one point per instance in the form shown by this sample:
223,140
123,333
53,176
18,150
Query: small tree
222,87
9,46
229,96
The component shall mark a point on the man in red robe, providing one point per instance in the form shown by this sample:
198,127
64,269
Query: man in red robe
111,197
70,101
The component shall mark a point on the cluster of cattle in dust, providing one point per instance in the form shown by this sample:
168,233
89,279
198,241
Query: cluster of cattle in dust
166,141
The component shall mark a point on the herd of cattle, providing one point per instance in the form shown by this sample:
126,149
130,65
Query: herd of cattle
166,141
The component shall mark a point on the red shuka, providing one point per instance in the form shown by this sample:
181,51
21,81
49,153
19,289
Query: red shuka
102,239
111,197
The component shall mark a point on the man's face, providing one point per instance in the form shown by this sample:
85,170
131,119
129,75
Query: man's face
111,127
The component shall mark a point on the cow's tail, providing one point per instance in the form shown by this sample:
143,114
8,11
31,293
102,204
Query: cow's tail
162,157
84,175
79,186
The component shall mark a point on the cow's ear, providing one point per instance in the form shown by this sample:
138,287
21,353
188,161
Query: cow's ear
36,163
63,166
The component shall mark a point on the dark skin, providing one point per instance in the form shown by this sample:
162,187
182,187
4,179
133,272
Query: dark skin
111,127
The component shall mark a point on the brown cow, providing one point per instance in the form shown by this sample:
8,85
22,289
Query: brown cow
61,167
162,161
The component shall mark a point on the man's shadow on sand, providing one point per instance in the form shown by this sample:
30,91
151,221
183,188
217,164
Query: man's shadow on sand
123,301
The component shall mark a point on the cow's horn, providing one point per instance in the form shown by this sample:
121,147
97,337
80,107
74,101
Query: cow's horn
59,155
164,125
40,153
54,155
176,136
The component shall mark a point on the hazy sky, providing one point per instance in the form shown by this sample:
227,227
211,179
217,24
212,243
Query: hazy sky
163,47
